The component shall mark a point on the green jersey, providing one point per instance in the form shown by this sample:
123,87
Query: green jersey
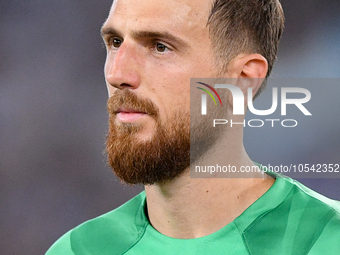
288,219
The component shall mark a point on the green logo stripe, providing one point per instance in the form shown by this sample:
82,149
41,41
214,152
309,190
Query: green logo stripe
206,91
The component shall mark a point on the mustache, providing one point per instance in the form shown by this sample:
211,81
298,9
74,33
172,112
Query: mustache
127,99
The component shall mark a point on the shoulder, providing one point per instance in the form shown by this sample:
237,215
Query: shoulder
310,200
303,197
304,222
334,204
111,233
319,219
308,207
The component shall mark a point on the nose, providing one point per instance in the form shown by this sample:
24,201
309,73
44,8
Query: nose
122,69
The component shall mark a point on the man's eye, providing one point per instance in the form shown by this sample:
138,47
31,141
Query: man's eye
115,42
161,47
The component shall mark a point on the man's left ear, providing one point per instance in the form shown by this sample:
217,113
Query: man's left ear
253,68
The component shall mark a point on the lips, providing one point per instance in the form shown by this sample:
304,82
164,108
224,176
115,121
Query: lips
129,115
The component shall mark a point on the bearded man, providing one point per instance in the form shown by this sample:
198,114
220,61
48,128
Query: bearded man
153,49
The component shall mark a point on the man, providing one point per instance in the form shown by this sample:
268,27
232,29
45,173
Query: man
153,49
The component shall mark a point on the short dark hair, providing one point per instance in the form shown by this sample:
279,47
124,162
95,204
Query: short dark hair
246,26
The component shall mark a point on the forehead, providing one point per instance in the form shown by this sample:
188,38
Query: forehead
174,15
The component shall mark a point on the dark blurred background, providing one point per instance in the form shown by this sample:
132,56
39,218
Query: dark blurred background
53,120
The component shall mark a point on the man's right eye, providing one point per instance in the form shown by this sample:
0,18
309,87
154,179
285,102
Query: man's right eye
115,42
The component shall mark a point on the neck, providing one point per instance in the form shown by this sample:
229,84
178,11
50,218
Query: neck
192,207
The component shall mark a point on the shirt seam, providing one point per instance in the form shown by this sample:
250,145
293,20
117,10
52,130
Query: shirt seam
256,220
141,233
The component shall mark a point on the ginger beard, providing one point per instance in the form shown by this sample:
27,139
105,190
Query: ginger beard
162,158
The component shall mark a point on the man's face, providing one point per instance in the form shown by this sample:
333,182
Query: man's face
153,49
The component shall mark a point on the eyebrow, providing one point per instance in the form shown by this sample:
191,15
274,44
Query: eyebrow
146,34
160,35
108,31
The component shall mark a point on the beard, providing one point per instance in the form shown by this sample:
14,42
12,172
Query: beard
162,158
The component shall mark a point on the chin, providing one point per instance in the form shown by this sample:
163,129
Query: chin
144,137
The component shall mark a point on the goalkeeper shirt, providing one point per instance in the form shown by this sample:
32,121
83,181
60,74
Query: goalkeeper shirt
288,219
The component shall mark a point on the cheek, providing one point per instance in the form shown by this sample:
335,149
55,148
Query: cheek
178,89
178,99
106,64
110,90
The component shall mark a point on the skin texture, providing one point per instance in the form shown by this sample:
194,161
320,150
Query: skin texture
153,49
161,77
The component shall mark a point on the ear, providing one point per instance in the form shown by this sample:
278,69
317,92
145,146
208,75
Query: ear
250,71
252,66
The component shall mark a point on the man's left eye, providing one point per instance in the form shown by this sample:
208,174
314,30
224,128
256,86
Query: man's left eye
161,47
